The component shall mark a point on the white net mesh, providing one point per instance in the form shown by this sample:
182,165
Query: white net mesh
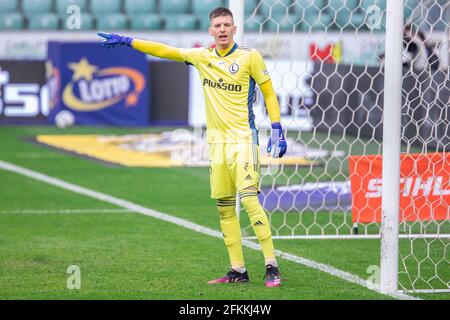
326,62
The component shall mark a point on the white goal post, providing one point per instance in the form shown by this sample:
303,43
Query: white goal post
362,85
391,146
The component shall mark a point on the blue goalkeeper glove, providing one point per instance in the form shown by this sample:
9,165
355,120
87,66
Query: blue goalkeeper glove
277,145
113,39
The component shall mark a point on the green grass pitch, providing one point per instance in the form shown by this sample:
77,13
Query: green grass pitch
126,255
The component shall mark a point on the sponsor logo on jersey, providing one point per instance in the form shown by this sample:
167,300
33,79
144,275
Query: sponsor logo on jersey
222,85
234,67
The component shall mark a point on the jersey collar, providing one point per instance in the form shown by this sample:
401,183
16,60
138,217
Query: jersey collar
235,46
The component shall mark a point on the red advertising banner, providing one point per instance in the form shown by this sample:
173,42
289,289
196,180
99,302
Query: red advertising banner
424,187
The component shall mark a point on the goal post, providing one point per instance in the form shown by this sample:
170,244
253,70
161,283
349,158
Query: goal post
391,147
364,102
237,7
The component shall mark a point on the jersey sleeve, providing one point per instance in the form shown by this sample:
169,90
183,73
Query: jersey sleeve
258,69
192,56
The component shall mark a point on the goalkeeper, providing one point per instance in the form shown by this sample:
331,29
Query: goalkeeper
229,74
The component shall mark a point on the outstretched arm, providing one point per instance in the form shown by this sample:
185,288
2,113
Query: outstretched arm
156,49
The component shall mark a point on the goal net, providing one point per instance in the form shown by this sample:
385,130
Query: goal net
326,59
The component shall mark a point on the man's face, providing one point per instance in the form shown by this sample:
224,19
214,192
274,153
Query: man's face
222,28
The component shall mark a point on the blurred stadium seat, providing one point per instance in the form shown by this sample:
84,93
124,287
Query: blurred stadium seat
174,6
307,4
250,6
43,21
100,7
314,19
37,6
345,13
275,7
409,7
11,21
309,10
204,7
343,5
253,23
203,22
178,22
349,20
140,6
146,21
8,6
112,22
283,23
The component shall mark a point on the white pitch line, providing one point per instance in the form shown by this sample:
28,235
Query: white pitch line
192,226
63,211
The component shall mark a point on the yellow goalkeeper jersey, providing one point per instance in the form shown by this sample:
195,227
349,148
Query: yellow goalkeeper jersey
229,88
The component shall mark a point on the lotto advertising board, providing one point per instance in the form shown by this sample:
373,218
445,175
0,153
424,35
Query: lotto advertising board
23,93
424,187
99,86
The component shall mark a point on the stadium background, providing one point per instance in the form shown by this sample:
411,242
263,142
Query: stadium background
38,246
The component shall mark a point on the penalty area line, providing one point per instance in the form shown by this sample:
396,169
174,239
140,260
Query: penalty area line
193,226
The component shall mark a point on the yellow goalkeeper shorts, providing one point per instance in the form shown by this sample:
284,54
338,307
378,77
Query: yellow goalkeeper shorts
233,167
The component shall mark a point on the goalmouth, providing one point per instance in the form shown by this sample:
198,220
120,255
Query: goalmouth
362,87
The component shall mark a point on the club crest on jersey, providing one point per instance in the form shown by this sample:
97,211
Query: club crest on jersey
234,67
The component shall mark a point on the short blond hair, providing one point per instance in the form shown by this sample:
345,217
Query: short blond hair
220,12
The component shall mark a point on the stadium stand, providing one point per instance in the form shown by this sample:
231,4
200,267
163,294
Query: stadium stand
62,5
204,7
177,22
132,7
146,21
178,15
37,6
174,6
10,18
44,21
7,6
11,21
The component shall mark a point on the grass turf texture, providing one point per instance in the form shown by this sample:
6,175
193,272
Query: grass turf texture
130,256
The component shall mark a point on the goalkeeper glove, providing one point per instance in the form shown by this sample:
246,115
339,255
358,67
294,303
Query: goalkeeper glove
113,39
277,145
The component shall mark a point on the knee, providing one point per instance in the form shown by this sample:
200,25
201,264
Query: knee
249,198
226,207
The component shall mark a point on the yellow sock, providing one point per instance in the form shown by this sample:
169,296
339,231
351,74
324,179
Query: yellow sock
259,221
231,229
